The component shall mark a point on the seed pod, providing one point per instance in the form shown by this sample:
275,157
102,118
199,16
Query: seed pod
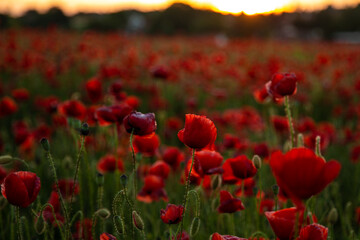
40,225
84,130
137,220
103,213
195,226
45,144
6,159
333,216
257,161
119,224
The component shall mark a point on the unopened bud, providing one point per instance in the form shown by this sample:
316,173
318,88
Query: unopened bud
84,130
103,213
123,180
257,161
45,144
275,189
333,216
137,220
119,224
318,146
195,226
6,159
40,225
99,179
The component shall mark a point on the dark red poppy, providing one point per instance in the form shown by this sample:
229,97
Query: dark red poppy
172,214
21,132
108,164
107,236
7,106
73,108
83,230
133,101
160,168
238,168
199,132
208,162
266,205
229,204
141,124
20,94
21,188
153,189
94,90
3,174
48,104
281,85
302,174
42,131
146,145
230,141
283,221
48,214
160,72
173,156
313,231
183,236
66,187
249,184
281,124
261,149
217,236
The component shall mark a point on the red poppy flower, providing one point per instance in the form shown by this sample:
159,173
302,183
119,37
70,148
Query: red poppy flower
72,108
199,132
83,230
48,214
229,204
146,145
7,106
217,236
112,114
107,236
48,104
238,168
249,184
281,85
160,168
160,72
283,221
20,94
266,205
172,214
281,124
66,187
21,188
94,90
313,231
261,149
173,156
208,162
183,236
302,174
153,189
133,101
3,174
108,164
261,94
141,124
195,177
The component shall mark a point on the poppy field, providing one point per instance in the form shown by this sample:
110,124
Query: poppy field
114,136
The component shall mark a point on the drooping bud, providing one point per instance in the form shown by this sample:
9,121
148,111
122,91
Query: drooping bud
103,213
195,226
119,224
5,159
123,180
45,144
84,130
257,161
40,225
333,216
137,220
275,189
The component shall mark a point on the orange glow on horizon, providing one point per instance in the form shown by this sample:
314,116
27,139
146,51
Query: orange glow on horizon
249,7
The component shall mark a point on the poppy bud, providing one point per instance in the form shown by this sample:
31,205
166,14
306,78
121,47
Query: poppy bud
333,216
84,130
40,225
275,189
300,140
100,179
103,213
123,180
140,124
119,224
257,161
318,146
45,144
6,159
195,226
137,220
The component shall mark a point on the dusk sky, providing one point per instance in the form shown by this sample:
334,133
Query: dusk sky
17,7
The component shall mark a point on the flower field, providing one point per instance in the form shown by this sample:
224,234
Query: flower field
114,136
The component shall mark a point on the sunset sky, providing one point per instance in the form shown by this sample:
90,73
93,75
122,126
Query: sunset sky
17,7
